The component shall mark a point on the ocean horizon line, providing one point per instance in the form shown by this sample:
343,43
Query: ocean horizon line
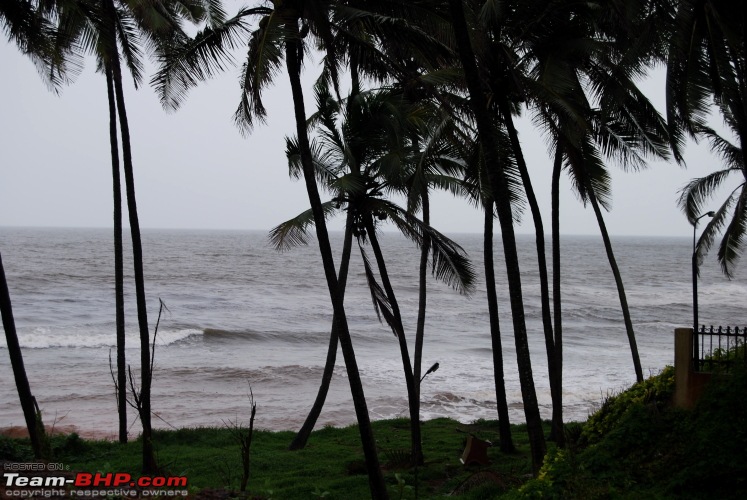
332,231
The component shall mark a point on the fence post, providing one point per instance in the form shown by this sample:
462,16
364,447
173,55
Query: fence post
683,361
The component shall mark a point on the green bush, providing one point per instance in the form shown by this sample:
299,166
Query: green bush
655,392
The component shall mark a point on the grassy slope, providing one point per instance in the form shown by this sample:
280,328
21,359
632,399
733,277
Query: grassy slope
636,446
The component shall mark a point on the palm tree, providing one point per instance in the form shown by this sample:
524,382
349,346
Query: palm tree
113,30
118,261
479,190
570,45
31,413
707,63
435,163
280,36
30,27
499,185
499,43
54,50
357,159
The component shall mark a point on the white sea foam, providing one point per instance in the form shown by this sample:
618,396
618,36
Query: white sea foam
55,337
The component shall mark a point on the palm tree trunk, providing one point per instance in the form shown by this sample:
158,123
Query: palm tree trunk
149,460
293,54
118,262
505,218
539,232
618,282
557,407
302,437
28,405
504,424
416,449
420,325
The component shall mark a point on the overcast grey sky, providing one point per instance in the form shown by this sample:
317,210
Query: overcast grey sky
194,170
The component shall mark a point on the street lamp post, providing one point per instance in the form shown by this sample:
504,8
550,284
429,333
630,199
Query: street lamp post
695,283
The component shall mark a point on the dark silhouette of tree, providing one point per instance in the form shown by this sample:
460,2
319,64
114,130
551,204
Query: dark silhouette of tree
114,31
29,26
356,159
498,182
279,236
31,414
479,189
707,66
281,36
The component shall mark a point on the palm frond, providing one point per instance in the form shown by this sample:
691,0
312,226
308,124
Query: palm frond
714,227
325,163
185,64
214,14
731,154
52,50
350,183
695,193
294,232
378,295
264,61
732,242
450,263
129,40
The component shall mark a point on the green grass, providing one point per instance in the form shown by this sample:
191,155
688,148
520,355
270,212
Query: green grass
636,446
331,464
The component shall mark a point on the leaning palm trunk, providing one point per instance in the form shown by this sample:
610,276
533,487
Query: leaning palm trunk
416,451
618,282
118,262
28,404
504,424
539,231
292,61
500,189
557,407
149,459
302,437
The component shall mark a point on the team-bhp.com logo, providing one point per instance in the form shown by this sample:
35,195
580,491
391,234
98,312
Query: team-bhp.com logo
25,482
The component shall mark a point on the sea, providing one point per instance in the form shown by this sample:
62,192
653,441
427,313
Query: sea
243,320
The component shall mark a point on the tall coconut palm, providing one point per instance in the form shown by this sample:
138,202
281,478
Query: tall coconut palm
499,45
435,164
479,191
118,260
581,58
498,182
282,35
54,50
383,44
115,30
295,232
707,64
358,158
